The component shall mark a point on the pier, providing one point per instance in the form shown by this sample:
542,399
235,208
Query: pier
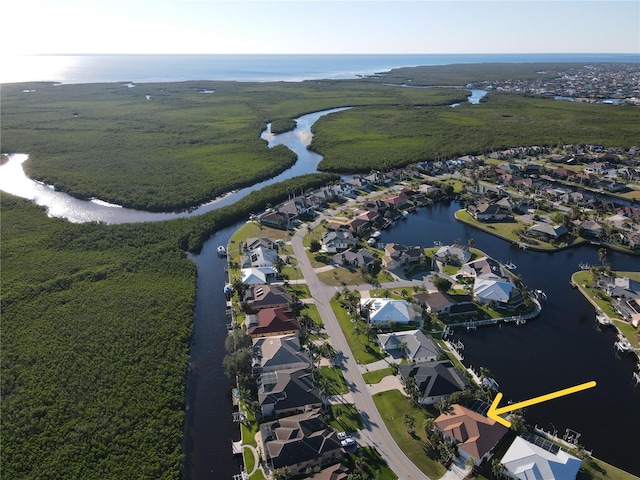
516,319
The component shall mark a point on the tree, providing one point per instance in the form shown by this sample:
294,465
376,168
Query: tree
409,422
442,284
237,340
314,246
602,255
497,469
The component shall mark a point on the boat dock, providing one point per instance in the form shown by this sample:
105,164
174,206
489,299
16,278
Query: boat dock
516,319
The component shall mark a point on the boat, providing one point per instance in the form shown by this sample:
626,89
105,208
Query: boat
371,242
602,319
540,295
510,266
376,234
222,251
623,345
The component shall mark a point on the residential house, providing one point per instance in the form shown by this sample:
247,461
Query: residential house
434,380
355,258
474,434
274,219
287,391
270,322
502,292
398,201
259,257
444,303
397,255
263,242
300,442
336,241
381,311
258,276
546,231
532,457
279,352
488,211
296,207
267,296
332,472
486,268
589,228
452,255
413,345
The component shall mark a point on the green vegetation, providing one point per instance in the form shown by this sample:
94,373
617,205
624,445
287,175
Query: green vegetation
332,379
383,137
369,464
377,375
392,406
344,417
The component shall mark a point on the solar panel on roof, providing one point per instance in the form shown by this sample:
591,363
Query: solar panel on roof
541,442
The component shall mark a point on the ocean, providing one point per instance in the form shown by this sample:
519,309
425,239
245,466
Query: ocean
69,69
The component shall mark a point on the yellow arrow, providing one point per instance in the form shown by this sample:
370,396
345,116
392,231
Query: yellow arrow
494,412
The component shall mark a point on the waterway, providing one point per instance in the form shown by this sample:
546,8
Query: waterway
561,348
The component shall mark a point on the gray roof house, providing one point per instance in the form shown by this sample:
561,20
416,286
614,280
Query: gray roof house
335,241
300,442
279,352
416,346
442,302
546,231
259,257
354,258
435,380
283,392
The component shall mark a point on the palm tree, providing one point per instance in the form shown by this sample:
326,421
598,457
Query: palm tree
602,255
409,422
497,469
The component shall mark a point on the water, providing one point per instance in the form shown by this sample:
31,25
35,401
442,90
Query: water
258,68
559,349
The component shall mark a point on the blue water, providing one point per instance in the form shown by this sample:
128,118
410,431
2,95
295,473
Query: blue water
260,68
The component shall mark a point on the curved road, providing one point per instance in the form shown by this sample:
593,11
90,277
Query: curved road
375,432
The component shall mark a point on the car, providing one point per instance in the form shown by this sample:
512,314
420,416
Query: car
348,442
342,435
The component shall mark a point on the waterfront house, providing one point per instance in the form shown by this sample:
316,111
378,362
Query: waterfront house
589,228
546,231
257,242
488,211
413,345
442,302
279,352
259,257
397,255
296,207
501,292
258,276
274,219
266,296
475,435
300,442
270,322
336,241
534,457
287,391
434,380
381,311
485,268
452,255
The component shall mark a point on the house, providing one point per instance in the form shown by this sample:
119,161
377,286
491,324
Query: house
336,241
442,302
488,211
267,296
413,345
546,231
260,257
258,276
589,228
296,207
398,201
485,267
264,242
532,457
502,292
271,322
300,442
474,434
434,380
452,255
397,255
381,311
287,391
274,219
355,258
332,472
280,352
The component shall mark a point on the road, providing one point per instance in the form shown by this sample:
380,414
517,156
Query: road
375,432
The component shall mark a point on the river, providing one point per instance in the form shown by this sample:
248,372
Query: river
559,349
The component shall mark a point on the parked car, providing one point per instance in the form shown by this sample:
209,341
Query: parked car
342,435
348,442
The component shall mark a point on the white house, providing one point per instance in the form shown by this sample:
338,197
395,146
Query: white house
258,276
337,241
525,460
499,291
452,255
416,346
385,310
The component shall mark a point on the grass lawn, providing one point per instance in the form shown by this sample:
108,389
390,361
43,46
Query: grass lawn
595,469
357,342
344,417
377,375
335,380
372,462
392,405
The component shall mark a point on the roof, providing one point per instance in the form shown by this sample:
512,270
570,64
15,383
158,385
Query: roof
274,320
260,256
268,295
273,352
485,267
488,289
288,389
258,275
476,434
300,438
434,379
384,310
527,461
548,229
417,344
460,254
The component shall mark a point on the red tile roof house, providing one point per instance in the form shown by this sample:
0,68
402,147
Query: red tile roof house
274,321
474,434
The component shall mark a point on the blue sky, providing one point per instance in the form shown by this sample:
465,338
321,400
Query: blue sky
319,26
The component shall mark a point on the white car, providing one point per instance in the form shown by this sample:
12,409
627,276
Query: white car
348,442
342,435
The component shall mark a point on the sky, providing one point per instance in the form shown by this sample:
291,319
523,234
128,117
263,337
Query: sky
319,26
